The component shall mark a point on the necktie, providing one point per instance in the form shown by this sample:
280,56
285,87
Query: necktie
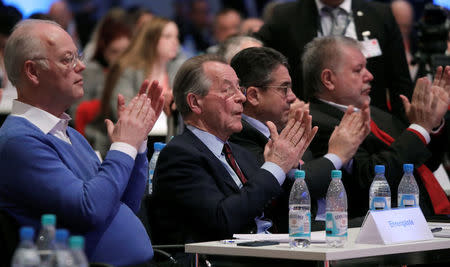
339,20
232,162
441,204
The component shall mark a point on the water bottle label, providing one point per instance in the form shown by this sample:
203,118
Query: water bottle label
336,224
380,203
299,223
407,200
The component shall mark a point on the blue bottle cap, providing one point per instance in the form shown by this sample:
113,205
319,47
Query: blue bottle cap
336,174
76,241
26,233
158,145
379,168
61,235
408,167
299,174
48,219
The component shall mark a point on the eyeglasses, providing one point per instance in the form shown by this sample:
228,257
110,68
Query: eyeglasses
232,91
71,60
284,89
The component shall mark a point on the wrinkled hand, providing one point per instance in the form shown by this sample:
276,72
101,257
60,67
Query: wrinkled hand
349,134
297,105
169,104
287,148
137,119
429,101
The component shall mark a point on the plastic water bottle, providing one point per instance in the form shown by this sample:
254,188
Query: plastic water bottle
336,212
408,191
63,255
299,212
26,254
76,244
380,193
158,146
45,242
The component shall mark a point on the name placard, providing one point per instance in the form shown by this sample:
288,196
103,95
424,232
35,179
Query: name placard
394,226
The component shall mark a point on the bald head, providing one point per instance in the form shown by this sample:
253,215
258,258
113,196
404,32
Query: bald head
30,39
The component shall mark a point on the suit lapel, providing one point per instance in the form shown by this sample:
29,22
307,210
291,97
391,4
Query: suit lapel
307,20
217,167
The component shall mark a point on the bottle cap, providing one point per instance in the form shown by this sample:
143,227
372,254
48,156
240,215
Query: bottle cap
48,219
299,174
336,174
408,167
76,241
379,168
61,235
26,233
158,146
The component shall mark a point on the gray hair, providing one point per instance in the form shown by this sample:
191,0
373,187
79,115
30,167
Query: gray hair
319,54
232,46
23,45
191,78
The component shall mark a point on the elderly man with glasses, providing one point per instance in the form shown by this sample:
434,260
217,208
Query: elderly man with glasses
48,167
264,73
205,187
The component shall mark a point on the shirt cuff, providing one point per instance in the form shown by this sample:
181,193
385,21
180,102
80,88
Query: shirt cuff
275,170
337,162
419,129
125,148
143,147
438,128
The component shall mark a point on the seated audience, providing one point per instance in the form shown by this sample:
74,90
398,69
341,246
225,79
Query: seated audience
48,167
215,187
336,76
264,73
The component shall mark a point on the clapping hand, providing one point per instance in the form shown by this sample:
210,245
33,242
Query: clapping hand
137,119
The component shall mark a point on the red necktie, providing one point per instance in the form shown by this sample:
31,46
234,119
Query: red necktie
232,162
441,204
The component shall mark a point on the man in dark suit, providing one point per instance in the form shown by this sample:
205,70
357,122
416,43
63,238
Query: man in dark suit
335,69
264,73
202,190
295,24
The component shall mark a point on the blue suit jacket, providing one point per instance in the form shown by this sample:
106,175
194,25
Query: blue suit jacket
196,199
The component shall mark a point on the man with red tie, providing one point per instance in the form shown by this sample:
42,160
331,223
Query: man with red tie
336,75
205,187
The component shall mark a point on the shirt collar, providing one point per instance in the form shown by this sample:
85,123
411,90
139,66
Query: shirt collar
339,106
346,5
40,118
211,141
258,125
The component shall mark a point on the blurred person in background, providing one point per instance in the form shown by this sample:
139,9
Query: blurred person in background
404,15
250,25
113,37
9,16
147,57
234,44
226,24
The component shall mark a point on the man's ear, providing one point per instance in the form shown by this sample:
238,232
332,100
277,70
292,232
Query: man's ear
327,78
253,95
194,102
31,71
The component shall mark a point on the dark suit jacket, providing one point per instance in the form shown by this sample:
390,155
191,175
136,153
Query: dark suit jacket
407,148
197,200
317,170
295,24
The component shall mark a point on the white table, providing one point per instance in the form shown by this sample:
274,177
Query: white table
319,252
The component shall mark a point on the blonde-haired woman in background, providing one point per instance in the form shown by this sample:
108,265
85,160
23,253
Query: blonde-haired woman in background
155,44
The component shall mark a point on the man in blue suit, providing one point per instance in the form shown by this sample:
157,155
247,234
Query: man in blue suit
200,192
